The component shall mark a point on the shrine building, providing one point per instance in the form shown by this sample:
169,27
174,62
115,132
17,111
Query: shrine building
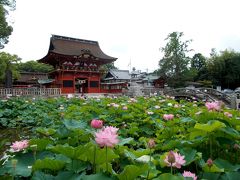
77,65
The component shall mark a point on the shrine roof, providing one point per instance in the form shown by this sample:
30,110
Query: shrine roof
118,74
76,47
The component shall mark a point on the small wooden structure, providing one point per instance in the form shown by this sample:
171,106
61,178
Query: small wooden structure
30,79
115,81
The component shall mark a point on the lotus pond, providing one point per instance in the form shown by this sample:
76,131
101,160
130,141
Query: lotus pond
118,138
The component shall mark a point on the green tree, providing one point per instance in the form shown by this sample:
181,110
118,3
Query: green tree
224,69
8,63
5,28
198,61
175,62
106,67
34,66
199,67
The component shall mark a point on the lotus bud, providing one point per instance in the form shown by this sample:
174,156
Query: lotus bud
151,143
236,146
171,157
209,162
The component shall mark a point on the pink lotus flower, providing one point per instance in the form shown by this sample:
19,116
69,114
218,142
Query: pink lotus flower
228,114
174,159
19,145
209,162
212,106
97,124
168,116
189,174
107,137
111,129
115,105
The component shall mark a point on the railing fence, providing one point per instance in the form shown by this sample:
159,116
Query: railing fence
30,92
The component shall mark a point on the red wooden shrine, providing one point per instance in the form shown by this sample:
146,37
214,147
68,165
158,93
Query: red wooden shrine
76,64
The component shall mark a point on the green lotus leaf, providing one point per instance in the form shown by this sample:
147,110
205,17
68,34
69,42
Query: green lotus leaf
214,168
46,131
77,166
167,176
98,176
41,143
23,165
227,166
73,124
38,175
65,175
190,155
210,126
210,176
131,172
232,175
50,164
124,141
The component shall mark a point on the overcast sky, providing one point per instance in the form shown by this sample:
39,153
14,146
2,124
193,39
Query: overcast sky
127,29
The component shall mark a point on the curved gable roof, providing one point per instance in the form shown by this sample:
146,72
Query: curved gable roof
76,47
73,46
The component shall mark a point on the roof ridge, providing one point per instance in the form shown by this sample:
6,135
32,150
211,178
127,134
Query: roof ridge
74,39
120,70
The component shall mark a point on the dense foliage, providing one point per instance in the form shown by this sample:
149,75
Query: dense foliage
174,64
34,66
5,28
224,68
152,132
220,69
8,62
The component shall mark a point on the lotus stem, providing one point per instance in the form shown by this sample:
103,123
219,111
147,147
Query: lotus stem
211,146
149,163
106,159
94,160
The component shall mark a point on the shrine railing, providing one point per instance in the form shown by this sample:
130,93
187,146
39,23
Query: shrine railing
29,92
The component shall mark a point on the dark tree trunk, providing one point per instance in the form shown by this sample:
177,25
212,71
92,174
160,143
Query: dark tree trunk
8,78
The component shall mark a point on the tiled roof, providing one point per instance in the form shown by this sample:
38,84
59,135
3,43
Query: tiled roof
150,78
120,74
31,76
76,47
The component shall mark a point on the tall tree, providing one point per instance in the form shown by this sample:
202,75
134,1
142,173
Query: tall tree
174,64
8,64
5,28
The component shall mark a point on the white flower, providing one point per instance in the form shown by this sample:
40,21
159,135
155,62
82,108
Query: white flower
149,112
157,107
170,104
176,105
70,96
144,159
115,105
